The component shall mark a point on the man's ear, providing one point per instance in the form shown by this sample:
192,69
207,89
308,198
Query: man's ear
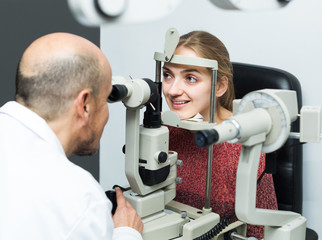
82,105
222,86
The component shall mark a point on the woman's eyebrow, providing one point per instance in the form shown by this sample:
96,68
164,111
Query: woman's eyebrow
166,69
191,70
185,70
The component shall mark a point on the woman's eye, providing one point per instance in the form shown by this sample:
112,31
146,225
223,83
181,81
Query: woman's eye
191,79
166,76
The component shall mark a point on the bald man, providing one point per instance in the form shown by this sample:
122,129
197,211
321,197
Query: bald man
62,85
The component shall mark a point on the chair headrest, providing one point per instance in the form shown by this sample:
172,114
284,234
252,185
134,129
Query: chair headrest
248,78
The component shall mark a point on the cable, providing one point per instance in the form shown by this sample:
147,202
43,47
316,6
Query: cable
261,176
216,229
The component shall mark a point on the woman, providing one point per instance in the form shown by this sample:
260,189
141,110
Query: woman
187,91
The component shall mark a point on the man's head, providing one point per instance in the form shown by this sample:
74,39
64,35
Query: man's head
66,80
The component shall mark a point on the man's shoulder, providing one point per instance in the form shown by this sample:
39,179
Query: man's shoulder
74,178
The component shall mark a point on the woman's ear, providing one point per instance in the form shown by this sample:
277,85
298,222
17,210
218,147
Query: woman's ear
222,86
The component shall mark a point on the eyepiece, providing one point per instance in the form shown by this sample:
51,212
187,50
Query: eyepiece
119,92
206,137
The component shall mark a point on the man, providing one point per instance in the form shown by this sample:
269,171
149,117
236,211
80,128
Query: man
62,85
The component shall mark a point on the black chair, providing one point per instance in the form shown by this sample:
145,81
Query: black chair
286,163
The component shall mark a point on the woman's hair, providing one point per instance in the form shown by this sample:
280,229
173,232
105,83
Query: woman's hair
208,46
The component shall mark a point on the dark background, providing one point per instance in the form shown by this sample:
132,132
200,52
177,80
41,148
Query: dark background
23,21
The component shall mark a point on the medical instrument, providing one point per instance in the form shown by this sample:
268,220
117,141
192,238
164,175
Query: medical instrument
96,12
151,167
250,5
274,110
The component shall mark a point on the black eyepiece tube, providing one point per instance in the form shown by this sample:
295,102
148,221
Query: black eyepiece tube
118,93
206,137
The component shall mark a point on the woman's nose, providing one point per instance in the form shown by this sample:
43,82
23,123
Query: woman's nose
176,88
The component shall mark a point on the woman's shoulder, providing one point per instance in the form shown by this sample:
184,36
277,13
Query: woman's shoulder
229,146
227,151
174,131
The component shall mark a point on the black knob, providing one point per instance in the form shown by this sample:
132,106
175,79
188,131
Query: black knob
123,149
162,158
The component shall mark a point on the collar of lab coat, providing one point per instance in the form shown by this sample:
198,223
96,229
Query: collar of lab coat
32,121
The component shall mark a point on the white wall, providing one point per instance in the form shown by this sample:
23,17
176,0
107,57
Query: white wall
289,39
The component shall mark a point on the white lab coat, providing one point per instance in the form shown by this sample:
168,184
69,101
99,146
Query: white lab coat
44,195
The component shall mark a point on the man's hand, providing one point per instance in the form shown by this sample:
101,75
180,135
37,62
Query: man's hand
125,215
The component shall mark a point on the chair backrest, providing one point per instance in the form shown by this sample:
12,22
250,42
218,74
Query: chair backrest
285,163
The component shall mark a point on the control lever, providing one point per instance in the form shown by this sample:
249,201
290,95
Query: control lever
111,194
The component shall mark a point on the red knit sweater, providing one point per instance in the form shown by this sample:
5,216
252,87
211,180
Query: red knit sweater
223,184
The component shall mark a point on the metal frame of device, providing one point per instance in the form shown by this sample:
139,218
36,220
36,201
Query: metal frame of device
171,42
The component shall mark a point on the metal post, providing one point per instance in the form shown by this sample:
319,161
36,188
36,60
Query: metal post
158,71
158,76
210,148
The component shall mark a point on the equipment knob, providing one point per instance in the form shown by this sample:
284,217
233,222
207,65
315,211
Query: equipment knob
162,157
178,180
123,149
179,163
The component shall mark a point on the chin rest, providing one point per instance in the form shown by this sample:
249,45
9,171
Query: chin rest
285,164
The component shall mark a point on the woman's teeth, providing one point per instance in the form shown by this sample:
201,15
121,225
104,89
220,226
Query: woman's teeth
180,102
